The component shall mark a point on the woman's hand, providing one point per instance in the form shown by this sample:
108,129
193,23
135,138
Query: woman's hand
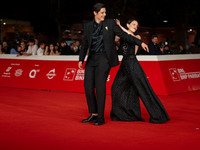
117,22
145,47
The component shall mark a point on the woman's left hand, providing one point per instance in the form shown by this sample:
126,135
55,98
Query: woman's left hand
145,47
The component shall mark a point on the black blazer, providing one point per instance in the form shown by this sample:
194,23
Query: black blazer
110,29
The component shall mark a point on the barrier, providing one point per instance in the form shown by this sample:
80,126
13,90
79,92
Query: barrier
167,74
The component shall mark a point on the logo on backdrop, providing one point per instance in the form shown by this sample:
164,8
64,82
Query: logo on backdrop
80,74
7,72
69,74
180,74
18,72
51,74
32,73
174,74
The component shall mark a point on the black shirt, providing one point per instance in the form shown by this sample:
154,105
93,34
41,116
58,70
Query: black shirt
97,38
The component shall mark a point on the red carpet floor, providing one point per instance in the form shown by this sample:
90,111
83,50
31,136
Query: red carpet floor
44,120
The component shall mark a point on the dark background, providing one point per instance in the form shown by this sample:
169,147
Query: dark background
51,17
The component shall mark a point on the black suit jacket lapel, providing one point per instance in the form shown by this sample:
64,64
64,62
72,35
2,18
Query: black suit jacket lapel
105,28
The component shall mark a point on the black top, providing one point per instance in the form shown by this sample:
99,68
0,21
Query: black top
97,38
126,48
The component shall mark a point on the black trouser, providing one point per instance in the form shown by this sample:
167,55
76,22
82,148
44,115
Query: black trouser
96,73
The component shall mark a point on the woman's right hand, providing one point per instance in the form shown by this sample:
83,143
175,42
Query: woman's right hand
117,22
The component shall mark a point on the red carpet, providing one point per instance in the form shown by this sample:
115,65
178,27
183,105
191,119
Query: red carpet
43,120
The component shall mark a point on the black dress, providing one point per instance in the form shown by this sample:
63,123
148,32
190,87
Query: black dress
131,83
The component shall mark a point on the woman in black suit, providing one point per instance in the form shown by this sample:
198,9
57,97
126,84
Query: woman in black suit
98,41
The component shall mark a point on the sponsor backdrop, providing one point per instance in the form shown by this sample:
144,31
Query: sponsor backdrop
169,74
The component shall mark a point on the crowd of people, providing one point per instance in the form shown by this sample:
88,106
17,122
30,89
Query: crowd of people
162,48
35,47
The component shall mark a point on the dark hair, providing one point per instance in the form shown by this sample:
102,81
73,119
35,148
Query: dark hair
32,41
42,42
97,7
153,36
15,45
131,20
62,41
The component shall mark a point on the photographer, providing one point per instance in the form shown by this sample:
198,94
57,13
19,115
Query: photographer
154,48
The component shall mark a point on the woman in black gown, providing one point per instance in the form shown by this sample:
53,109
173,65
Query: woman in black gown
131,83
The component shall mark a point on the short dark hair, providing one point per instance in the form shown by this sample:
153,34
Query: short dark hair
62,41
98,6
42,42
32,41
153,36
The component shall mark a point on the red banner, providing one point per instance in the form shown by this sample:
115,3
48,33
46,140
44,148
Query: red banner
167,74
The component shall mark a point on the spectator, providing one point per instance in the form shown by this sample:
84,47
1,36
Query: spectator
23,46
20,51
1,48
36,42
167,50
58,44
181,49
174,47
40,51
76,47
57,50
64,49
194,49
153,46
187,48
162,48
14,49
51,49
46,52
5,48
32,48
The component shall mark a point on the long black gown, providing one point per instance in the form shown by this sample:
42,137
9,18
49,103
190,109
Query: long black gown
131,83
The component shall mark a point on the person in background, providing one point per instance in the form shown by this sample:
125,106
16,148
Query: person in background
40,51
32,48
1,48
181,49
36,42
57,49
23,46
5,48
14,48
64,48
76,47
71,46
153,46
46,51
20,51
162,48
51,49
